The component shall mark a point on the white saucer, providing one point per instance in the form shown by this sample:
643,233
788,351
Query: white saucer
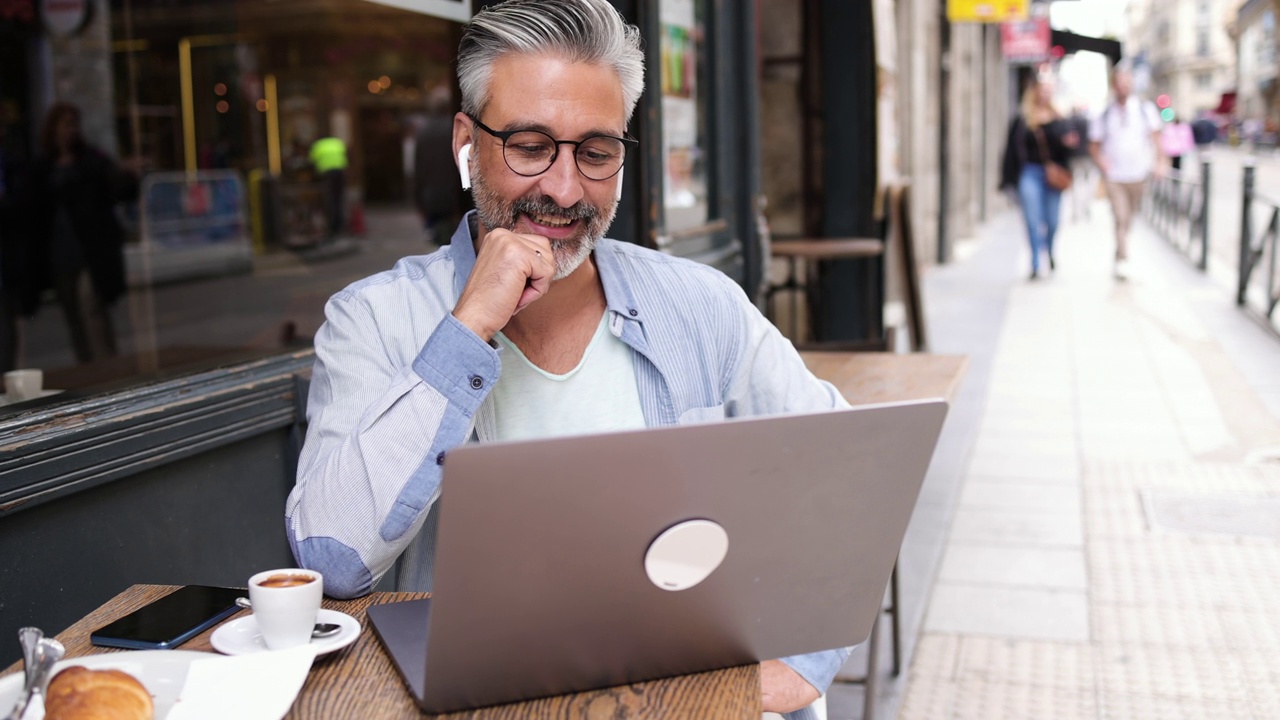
241,636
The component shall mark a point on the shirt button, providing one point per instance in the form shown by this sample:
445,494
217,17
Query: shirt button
477,382
440,459
634,312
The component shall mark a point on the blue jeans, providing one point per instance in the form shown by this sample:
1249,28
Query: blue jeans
1040,209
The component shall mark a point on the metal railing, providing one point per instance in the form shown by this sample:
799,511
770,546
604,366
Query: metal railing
1178,208
1257,252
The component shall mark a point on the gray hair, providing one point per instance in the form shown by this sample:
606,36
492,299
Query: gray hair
588,31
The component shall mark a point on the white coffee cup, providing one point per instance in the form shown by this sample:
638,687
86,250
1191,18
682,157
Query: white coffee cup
22,385
285,604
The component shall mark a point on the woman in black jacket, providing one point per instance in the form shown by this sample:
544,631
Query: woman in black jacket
1038,135
79,237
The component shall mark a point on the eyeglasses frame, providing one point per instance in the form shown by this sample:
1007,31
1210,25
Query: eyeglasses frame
628,144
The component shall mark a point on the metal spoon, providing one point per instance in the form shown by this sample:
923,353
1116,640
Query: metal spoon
30,638
321,630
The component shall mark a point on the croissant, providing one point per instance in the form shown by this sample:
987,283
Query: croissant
82,694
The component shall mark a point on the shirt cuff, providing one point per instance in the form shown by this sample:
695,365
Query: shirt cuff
819,669
455,361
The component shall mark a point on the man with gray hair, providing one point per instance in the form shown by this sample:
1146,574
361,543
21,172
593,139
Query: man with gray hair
1125,144
530,323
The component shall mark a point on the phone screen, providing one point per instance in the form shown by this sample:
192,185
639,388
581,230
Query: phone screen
171,620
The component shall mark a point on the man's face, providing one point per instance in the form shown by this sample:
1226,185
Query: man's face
568,101
1123,85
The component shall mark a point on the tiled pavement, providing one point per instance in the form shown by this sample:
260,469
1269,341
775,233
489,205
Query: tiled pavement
1115,546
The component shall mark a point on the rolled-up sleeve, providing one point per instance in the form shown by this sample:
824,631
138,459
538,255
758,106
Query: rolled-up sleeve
377,434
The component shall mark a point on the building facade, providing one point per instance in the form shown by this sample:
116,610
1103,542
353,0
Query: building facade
1187,50
1254,29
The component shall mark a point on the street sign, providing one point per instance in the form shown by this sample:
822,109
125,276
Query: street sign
988,11
1027,41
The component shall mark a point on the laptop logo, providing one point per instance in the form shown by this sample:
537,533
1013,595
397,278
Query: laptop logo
685,554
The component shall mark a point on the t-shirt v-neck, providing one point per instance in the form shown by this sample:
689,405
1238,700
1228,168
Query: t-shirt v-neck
598,395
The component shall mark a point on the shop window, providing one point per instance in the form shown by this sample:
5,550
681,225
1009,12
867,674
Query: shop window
220,227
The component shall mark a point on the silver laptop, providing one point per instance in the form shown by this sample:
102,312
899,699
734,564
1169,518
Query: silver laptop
555,570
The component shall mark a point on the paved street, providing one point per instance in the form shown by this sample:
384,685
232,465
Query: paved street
238,311
1114,543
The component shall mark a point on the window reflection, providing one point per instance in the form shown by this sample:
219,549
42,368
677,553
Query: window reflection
254,156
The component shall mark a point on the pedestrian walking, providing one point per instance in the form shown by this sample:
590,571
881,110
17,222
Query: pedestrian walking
329,156
1176,140
1084,178
80,242
1036,158
1124,143
16,297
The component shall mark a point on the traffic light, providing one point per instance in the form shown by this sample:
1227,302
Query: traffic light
1163,102
1167,114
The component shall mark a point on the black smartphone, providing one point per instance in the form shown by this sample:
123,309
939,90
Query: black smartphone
171,620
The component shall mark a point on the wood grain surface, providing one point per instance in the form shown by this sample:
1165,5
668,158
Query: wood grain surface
871,377
360,682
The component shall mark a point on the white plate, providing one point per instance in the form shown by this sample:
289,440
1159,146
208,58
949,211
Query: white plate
161,672
241,636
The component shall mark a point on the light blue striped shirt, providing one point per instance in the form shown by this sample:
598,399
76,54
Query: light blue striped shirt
398,381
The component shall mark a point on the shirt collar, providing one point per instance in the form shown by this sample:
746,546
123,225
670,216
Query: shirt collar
618,293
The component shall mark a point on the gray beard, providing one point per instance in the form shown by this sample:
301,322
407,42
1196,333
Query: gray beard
570,253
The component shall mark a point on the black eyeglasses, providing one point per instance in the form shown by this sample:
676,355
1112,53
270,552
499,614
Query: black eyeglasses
533,152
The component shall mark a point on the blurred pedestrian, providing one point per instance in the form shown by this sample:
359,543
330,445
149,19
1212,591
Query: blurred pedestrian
1204,131
435,185
1036,157
16,295
329,156
80,239
1084,181
1124,143
1176,140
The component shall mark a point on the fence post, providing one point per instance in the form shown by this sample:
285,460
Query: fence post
1246,230
1204,214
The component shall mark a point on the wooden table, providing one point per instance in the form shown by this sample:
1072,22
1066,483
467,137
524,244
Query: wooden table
877,377
359,681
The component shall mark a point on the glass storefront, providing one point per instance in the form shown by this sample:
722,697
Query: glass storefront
206,116
245,160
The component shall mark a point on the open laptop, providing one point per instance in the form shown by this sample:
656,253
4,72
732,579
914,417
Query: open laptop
542,580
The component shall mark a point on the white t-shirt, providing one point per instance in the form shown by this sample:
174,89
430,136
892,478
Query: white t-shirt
599,395
1125,133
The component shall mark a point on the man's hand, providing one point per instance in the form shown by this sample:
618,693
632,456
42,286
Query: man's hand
782,689
511,271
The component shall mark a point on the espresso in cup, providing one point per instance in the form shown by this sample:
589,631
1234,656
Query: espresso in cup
285,580
285,604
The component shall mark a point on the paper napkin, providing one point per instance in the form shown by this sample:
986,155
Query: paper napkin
260,686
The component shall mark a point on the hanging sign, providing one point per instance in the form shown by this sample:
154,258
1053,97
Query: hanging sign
1027,41
64,18
988,11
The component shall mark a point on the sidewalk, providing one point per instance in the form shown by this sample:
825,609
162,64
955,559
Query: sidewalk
1114,550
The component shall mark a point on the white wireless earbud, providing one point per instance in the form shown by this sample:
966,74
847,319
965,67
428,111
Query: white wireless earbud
464,166
618,196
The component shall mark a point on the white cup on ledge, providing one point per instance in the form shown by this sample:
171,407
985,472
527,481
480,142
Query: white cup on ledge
20,385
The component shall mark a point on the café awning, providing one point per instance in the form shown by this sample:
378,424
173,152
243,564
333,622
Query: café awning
1071,42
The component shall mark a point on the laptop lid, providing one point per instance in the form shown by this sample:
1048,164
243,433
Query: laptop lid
540,585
